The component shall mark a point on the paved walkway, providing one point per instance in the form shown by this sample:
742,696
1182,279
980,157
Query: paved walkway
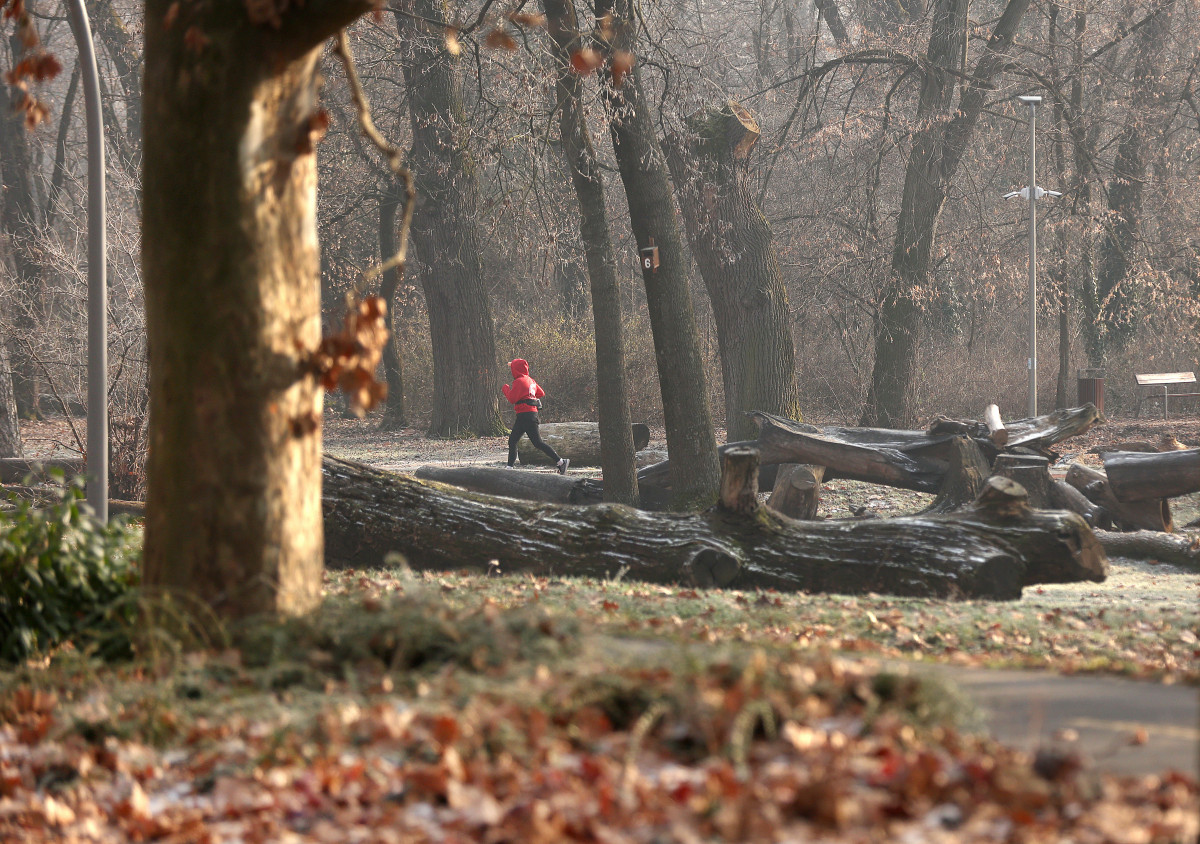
1026,709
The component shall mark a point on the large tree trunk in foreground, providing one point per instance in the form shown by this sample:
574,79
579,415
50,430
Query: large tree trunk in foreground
580,442
1139,477
690,433
229,252
617,448
732,243
445,231
988,552
1151,514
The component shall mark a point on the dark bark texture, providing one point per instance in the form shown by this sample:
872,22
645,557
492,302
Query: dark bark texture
644,173
394,416
938,146
446,234
229,254
988,552
617,447
732,243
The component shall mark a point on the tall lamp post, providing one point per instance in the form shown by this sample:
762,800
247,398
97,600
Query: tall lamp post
1033,193
97,389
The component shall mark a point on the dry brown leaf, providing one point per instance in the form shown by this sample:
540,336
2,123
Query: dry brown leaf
500,39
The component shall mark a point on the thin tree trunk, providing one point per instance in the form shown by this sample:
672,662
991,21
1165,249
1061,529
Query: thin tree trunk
19,222
10,431
937,149
229,252
394,416
445,232
617,458
733,246
691,438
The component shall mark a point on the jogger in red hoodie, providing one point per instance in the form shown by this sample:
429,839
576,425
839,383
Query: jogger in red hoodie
524,393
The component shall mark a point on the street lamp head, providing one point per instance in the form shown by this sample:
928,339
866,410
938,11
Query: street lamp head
1032,99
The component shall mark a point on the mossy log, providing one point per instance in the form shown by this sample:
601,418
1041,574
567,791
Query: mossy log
579,442
989,551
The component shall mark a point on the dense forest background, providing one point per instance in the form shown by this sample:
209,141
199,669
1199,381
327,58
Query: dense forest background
836,91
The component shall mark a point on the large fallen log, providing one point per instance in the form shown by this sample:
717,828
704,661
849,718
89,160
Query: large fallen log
579,442
990,551
1137,476
1134,515
513,483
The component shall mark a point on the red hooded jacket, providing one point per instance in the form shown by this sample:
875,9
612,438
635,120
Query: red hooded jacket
522,387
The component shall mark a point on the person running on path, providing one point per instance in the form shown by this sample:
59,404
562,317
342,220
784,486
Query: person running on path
524,394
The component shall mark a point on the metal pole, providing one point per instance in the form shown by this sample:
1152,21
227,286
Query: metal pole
1033,403
97,390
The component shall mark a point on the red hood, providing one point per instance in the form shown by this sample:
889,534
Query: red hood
519,367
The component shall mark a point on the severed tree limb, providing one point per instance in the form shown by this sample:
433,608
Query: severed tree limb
990,551
1134,515
1178,549
1134,476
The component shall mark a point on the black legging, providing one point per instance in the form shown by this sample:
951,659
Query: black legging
527,423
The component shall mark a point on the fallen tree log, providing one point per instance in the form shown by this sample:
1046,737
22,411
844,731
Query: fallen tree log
1134,515
1182,550
964,479
990,551
14,470
1137,476
579,442
512,483
1063,496
997,433
1031,471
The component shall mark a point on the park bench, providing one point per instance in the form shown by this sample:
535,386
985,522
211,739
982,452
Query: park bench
1165,380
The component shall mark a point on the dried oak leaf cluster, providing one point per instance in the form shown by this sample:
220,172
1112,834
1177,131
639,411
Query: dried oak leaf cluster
36,64
348,359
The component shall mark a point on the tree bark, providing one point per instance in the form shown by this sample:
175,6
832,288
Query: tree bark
937,149
1133,476
394,416
1176,549
446,234
988,552
527,486
612,393
1136,515
1031,471
966,476
690,432
580,442
10,430
797,491
732,243
229,254
1147,118
19,223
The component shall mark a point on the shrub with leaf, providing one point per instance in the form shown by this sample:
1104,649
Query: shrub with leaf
64,576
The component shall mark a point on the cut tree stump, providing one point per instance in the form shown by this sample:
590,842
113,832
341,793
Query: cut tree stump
797,491
579,442
964,479
1134,515
1136,476
988,551
1031,471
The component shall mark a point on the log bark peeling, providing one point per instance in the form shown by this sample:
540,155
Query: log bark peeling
984,552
